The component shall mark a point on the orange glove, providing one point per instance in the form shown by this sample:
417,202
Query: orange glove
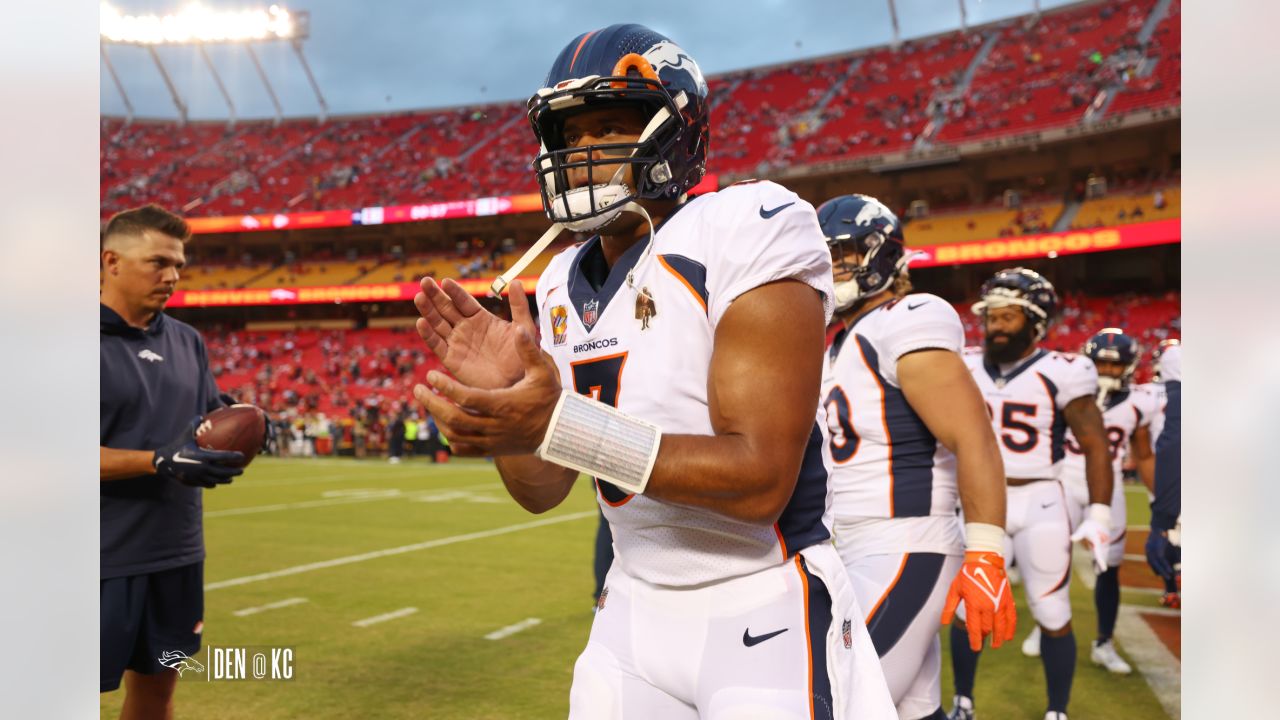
988,601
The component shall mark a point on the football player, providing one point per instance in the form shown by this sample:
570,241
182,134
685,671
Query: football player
1033,396
1127,412
909,433
680,367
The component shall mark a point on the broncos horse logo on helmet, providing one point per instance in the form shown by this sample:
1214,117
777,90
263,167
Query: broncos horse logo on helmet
1113,345
1024,288
633,65
867,246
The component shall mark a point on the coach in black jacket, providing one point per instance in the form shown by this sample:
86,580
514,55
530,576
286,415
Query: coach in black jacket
156,384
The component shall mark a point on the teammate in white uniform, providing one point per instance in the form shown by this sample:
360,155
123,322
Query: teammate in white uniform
680,366
1127,413
899,400
1033,397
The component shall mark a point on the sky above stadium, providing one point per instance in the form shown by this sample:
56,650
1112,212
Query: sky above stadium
386,55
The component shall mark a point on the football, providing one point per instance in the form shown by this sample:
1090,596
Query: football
239,427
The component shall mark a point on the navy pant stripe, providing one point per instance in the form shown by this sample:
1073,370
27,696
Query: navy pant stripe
903,602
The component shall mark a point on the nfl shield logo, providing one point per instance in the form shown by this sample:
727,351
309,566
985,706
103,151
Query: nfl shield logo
846,631
590,310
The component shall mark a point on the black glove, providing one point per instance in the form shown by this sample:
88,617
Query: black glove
183,460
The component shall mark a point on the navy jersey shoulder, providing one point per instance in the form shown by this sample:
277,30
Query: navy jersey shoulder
154,382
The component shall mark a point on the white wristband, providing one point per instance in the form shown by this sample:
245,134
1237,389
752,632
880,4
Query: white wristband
983,537
602,441
1100,514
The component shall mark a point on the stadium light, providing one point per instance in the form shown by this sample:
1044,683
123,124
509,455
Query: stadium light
199,24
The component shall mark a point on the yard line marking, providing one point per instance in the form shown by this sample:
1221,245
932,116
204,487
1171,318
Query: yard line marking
269,606
438,542
1159,667
339,477
1135,557
402,612
513,629
379,495
1149,610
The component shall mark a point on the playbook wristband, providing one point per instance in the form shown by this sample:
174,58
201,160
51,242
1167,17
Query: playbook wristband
984,537
604,442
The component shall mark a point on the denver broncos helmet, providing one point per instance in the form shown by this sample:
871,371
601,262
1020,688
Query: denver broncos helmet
1113,345
628,64
1025,288
867,246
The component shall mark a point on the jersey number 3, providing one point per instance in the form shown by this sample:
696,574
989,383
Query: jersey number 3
600,379
844,440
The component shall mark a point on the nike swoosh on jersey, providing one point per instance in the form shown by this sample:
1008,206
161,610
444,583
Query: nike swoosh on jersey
749,640
913,307
766,214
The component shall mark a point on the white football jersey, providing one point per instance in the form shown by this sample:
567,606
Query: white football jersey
885,462
1160,396
642,342
1025,402
1122,414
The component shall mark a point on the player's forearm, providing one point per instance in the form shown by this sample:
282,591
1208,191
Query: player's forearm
727,474
1147,472
980,479
1099,475
535,484
116,464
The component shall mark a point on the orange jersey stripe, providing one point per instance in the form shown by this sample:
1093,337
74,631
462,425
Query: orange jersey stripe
808,639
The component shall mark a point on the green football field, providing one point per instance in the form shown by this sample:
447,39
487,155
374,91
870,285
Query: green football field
386,579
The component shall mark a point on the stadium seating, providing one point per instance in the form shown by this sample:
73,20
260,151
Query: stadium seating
1038,74
310,370
1163,86
221,277
962,226
1120,209
1046,73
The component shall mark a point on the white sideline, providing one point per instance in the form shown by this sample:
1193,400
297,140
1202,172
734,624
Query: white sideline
402,612
1162,671
253,509
513,629
269,606
438,542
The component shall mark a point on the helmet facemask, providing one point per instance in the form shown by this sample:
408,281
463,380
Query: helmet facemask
853,262
603,198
